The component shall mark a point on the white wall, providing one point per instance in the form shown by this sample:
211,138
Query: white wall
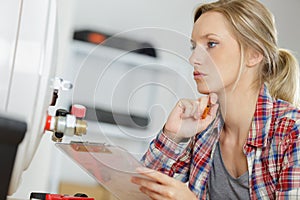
167,19
118,15
287,17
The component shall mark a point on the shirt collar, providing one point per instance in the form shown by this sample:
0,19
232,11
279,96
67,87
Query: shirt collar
261,120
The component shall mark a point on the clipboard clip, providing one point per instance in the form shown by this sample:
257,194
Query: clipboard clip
90,147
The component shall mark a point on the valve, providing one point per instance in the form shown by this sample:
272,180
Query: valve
65,123
59,84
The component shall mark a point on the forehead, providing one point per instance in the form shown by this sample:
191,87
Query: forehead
211,23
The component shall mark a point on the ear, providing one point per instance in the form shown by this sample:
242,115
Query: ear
253,57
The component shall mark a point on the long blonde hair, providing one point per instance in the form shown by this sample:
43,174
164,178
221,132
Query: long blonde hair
254,27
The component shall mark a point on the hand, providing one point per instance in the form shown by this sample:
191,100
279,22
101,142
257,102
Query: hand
186,119
157,185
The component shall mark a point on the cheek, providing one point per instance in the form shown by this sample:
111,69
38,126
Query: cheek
228,65
223,66
223,71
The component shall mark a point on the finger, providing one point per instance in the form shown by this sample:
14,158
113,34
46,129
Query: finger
149,184
151,194
213,98
155,175
187,108
211,115
167,193
180,105
213,111
195,111
153,189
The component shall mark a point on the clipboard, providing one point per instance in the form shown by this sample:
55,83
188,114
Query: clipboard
109,165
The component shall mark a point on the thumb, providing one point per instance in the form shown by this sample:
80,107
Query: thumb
213,98
213,111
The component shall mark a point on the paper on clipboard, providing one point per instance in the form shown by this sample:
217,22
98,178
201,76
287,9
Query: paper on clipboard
109,165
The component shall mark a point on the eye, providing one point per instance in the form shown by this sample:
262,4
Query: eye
193,47
212,44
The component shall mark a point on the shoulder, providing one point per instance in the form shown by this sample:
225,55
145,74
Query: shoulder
283,111
286,119
284,134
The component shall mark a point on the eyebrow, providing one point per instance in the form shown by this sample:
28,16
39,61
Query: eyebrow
206,36
209,34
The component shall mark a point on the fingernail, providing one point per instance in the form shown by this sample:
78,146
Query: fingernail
133,179
141,189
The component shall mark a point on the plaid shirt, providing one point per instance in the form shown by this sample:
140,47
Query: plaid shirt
272,150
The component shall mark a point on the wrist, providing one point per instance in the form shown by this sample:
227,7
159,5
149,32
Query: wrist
173,136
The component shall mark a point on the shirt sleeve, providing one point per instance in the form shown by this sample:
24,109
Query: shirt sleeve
169,157
288,186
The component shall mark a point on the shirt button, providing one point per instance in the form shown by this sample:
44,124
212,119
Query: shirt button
287,141
286,163
177,151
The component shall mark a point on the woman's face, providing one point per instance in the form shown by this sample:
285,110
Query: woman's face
216,54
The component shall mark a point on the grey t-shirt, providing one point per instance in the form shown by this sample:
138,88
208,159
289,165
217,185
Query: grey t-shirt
221,185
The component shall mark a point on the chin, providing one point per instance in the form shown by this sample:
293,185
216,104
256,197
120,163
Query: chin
202,86
203,89
206,89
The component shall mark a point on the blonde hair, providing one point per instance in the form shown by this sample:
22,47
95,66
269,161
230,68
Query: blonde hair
254,27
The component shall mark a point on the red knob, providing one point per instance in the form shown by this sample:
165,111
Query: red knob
48,123
78,110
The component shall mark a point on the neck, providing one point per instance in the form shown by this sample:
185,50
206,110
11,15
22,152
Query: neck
237,108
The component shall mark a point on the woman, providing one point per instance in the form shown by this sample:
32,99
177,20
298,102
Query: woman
248,146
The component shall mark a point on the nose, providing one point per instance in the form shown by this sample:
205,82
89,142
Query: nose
192,58
197,57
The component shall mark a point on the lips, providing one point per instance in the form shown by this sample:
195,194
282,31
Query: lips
198,75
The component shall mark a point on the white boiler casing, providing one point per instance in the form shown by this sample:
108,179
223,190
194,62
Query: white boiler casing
27,65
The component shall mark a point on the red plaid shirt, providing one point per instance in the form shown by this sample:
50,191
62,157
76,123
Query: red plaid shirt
272,150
